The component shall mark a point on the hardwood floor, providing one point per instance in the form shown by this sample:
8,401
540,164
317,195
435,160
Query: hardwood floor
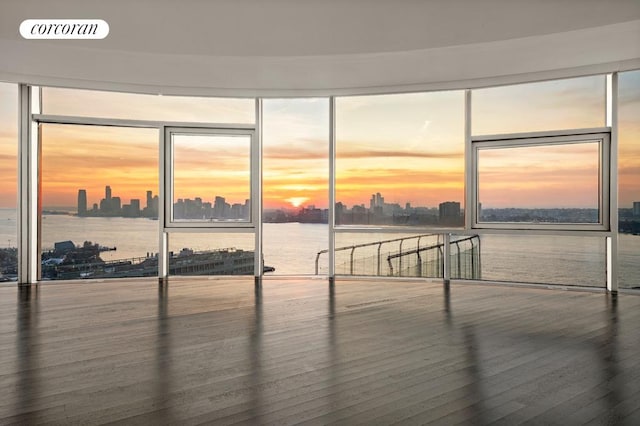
220,351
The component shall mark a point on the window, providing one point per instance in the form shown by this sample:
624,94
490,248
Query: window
542,182
9,179
295,144
93,103
400,160
99,199
576,103
210,177
629,179
212,254
542,259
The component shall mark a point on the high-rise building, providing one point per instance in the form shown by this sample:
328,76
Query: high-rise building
636,208
135,207
126,210
115,205
107,193
82,202
154,205
246,214
105,206
219,209
450,213
376,204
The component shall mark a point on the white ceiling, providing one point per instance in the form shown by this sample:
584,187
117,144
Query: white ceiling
308,47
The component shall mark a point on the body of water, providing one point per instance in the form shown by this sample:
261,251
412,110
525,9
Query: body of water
292,248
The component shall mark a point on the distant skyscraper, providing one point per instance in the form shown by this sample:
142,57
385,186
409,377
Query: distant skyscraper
219,209
115,205
149,200
107,192
246,212
154,206
636,208
135,207
450,213
82,202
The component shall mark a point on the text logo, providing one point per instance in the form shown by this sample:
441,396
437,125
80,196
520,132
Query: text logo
64,29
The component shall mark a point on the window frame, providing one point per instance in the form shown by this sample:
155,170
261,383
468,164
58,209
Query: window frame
168,174
602,136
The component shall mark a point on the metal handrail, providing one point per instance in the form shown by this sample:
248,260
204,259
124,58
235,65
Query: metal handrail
422,249
378,243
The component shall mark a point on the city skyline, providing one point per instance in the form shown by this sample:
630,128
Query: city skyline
112,205
378,211
408,146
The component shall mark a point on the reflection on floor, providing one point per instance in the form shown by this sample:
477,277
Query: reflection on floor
373,352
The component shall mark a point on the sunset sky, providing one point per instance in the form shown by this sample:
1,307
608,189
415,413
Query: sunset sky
8,144
629,139
551,105
207,166
91,157
517,176
408,147
295,152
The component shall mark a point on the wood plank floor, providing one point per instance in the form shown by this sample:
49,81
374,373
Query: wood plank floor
297,351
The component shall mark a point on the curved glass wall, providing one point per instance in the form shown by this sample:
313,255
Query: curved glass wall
9,179
400,162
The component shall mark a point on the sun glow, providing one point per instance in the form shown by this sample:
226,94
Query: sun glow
297,201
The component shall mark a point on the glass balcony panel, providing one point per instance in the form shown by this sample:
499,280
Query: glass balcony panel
545,259
388,254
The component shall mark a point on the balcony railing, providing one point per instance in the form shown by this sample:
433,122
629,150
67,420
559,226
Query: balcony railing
415,256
